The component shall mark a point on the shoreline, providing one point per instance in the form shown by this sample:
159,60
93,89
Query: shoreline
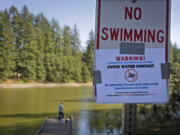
43,85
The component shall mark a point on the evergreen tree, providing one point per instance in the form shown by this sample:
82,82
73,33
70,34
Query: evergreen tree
86,75
66,73
89,53
40,69
49,53
175,79
28,47
7,48
76,41
16,23
57,38
40,24
175,60
67,41
77,55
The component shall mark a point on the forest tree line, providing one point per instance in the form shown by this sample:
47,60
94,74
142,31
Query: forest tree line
32,48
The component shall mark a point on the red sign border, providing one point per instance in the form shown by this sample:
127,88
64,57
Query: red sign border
167,28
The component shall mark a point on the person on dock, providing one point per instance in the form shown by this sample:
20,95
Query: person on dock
61,111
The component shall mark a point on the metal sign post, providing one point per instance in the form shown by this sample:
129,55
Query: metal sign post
129,119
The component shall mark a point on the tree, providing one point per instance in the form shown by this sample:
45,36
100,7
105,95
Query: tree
89,53
67,41
76,44
49,58
175,79
27,48
16,23
7,47
40,69
77,55
86,75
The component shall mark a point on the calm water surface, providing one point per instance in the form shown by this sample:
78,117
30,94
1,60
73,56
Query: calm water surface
22,111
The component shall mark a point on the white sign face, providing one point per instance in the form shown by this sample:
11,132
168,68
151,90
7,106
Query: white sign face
131,44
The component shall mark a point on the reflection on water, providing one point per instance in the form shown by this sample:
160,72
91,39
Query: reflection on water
22,111
100,122
83,124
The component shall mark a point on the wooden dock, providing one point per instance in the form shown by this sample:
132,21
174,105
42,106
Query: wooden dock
53,126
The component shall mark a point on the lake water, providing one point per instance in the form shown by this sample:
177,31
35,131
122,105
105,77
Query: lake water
22,111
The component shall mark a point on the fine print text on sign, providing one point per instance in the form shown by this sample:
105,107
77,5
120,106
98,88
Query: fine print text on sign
131,50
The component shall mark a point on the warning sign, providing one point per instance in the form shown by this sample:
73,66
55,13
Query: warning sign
132,51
